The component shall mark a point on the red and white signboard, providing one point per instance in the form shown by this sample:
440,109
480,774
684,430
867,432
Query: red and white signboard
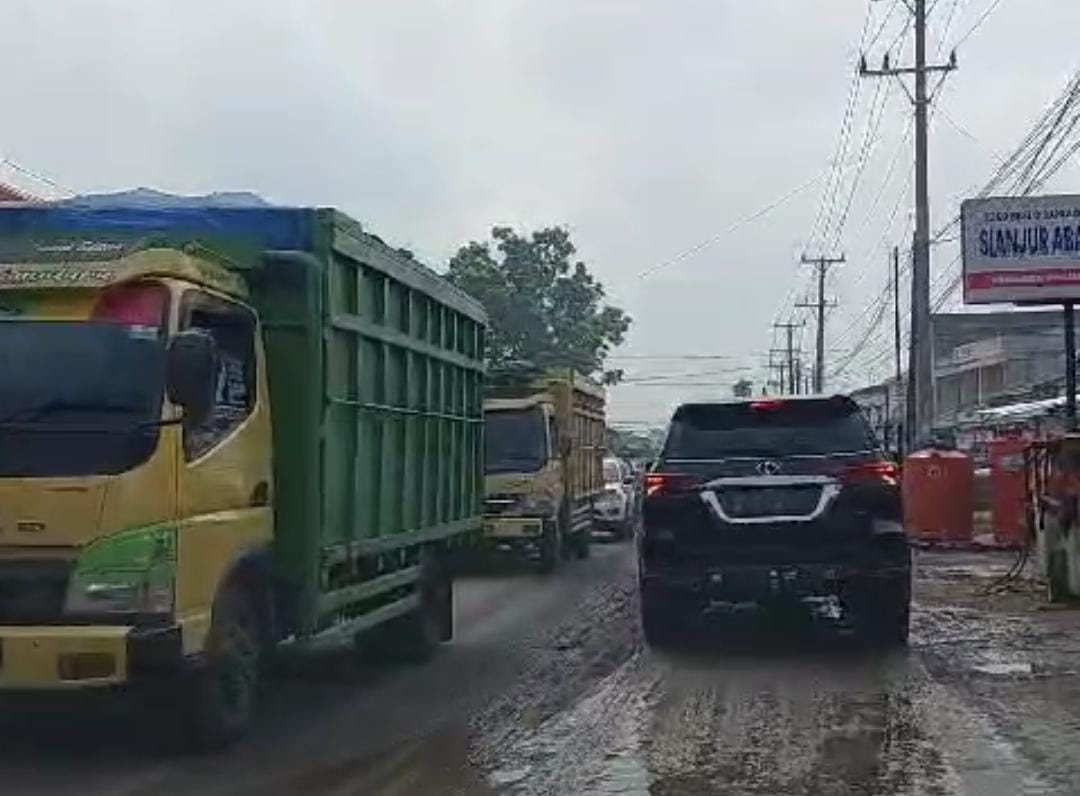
1022,249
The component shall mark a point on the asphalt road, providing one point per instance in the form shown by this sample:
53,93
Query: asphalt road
548,690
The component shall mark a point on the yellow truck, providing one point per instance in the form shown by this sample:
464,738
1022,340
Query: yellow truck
544,442
224,431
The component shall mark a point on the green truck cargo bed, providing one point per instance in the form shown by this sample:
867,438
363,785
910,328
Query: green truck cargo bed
376,378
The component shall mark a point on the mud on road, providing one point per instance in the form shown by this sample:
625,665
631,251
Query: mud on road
549,690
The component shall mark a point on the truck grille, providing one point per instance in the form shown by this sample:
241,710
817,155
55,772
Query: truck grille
500,504
32,591
770,501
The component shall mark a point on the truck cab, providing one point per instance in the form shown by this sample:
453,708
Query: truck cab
159,525
111,491
543,442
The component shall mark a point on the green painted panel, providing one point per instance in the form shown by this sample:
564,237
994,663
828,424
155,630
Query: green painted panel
375,373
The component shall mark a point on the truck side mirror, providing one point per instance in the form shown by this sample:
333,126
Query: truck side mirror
191,369
566,446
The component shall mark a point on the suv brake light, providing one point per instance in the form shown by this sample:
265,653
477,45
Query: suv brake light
884,471
768,404
668,483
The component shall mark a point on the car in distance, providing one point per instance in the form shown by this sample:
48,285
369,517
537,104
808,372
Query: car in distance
756,501
614,508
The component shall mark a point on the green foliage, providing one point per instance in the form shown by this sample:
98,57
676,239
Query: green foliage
544,307
743,388
635,445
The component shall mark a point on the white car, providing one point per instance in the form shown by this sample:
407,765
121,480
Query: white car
613,510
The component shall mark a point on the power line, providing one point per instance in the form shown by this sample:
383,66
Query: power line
1022,161
740,223
979,22
921,410
826,204
34,175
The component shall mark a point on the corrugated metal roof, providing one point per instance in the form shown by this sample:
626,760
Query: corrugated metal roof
9,193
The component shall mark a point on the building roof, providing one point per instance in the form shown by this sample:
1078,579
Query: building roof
9,193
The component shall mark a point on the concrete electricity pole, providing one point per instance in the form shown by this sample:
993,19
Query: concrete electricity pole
921,364
822,265
788,364
896,311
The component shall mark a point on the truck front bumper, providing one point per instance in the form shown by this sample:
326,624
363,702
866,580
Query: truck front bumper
71,657
513,529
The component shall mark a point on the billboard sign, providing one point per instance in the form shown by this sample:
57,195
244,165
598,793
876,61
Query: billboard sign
1022,249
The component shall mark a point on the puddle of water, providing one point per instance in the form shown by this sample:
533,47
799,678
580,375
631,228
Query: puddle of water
1003,669
504,777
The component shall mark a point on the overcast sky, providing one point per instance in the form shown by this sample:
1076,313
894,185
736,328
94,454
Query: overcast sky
647,126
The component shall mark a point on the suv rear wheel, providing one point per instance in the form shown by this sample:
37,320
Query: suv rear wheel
883,610
659,622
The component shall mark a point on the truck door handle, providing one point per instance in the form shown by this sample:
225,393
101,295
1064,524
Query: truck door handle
260,495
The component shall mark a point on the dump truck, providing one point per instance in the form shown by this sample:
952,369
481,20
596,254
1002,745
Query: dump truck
226,432
544,439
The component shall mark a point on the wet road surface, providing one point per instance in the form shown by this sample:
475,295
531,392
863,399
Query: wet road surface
547,689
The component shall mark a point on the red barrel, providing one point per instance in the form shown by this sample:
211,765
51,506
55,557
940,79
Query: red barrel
1007,489
939,496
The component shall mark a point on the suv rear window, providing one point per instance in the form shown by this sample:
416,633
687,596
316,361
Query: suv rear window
796,428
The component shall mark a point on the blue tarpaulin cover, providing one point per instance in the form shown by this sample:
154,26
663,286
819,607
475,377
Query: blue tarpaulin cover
142,213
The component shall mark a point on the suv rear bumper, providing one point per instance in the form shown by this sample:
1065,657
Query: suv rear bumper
738,574
746,583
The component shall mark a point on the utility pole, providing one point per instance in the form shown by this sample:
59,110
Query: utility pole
896,310
777,376
821,265
896,346
788,363
921,364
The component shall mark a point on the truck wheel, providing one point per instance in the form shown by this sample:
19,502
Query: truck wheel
620,532
883,611
1057,576
419,633
583,543
659,623
551,551
224,694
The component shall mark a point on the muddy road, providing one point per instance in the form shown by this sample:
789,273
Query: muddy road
548,690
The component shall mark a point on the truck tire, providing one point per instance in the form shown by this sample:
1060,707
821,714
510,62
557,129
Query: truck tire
416,636
222,700
551,547
659,622
583,543
1057,576
883,611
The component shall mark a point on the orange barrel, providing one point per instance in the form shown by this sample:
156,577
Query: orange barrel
1008,494
939,496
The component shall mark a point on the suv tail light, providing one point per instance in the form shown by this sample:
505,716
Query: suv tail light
768,405
657,484
883,471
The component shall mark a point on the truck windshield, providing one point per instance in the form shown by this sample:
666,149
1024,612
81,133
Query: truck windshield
515,441
78,398
798,428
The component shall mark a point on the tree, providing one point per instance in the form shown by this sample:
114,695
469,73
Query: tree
543,306
743,388
635,445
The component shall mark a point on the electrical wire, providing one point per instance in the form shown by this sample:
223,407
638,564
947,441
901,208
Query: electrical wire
979,22
34,175
712,240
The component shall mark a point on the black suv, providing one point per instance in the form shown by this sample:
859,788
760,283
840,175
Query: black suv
773,499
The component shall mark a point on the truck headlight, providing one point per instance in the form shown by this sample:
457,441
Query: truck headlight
131,572
536,505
